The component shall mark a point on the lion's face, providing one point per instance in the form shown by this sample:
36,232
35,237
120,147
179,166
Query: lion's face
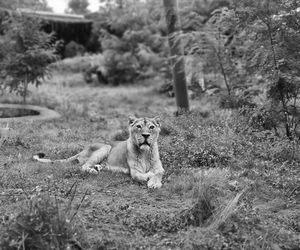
144,131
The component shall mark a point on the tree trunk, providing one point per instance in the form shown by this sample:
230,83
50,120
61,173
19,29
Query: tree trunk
173,27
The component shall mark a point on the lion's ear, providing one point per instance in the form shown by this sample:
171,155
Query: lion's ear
157,119
131,119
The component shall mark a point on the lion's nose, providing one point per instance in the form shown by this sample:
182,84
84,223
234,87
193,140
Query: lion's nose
146,136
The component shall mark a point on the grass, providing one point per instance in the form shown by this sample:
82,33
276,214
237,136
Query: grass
223,188
42,224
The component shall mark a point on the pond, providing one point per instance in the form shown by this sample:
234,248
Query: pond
20,112
16,112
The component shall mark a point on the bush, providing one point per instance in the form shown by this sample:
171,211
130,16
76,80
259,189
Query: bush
128,57
273,37
215,44
73,49
120,68
234,102
131,42
42,225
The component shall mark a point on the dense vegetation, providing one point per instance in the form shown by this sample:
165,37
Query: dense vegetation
131,39
250,49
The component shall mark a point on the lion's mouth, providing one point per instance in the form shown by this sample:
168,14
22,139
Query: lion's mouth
145,143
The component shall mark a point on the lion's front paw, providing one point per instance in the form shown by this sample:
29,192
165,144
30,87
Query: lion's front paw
99,167
154,183
89,169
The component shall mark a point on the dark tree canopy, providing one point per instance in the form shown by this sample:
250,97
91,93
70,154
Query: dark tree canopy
78,6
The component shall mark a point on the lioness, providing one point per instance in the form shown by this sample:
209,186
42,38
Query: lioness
137,156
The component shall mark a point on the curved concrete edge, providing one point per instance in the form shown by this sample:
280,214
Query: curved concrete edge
45,113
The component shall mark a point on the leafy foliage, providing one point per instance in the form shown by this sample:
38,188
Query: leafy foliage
272,28
33,4
78,6
216,45
131,41
260,38
26,52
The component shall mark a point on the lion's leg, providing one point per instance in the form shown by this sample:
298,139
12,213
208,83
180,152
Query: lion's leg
117,169
96,157
139,176
83,156
155,180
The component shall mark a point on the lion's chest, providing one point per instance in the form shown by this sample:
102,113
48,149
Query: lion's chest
145,164
142,163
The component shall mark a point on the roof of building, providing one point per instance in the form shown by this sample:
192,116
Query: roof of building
50,16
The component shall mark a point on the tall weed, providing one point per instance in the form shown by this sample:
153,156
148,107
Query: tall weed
43,224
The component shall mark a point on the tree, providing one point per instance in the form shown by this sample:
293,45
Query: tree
213,43
25,53
173,27
78,6
273,28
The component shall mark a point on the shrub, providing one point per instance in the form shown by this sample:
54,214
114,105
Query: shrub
128,57
42,225
270,27
261,118
234,102
216,45
73,49
131,42
259,38
120,68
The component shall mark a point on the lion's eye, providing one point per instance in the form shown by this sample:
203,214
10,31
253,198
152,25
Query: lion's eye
151,127
138,126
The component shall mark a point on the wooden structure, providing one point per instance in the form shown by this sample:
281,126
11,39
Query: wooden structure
66,26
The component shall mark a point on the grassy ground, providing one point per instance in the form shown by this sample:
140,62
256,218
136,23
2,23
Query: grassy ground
223,189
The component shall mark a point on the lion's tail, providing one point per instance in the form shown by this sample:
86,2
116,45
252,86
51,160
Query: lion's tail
40,157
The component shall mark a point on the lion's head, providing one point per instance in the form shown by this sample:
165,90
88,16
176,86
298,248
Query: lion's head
144,131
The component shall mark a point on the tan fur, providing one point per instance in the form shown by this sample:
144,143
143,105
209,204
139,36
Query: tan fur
137,156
